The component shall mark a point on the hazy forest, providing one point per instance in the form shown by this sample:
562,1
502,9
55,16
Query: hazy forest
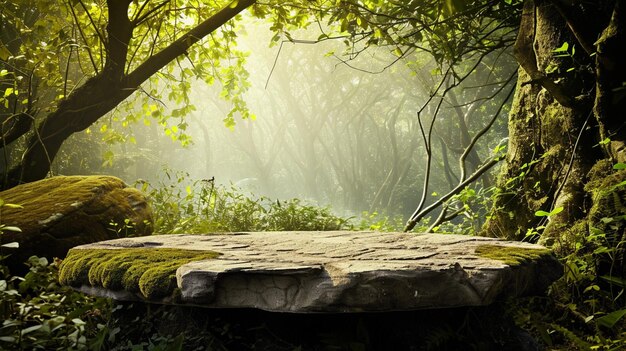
496,118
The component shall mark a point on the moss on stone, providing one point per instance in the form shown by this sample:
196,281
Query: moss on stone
600,170
63,212
511,255
149,271
56,197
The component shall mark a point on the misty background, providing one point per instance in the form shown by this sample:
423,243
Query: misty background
332,127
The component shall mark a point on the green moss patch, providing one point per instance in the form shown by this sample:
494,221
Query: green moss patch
511,255
149,271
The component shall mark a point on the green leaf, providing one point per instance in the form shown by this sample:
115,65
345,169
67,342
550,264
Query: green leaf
541,213
78,321
611,319
4,52
176,344
619,166
31,329
562,49
556,211
592,287
11,245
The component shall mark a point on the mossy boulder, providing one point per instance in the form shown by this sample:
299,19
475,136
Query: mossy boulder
59,213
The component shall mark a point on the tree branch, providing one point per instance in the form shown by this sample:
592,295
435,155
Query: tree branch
485,129
14,127
180,46
479,172
576,26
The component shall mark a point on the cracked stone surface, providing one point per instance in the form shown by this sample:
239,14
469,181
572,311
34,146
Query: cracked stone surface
342,271
61,212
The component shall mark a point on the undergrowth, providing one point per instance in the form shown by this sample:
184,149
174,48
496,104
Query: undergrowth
40,314
584,310
182,205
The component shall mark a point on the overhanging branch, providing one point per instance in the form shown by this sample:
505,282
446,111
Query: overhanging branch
180,46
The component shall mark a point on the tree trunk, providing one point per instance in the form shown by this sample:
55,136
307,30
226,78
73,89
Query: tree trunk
565,105
81,109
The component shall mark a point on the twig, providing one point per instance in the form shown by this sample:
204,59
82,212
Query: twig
479,172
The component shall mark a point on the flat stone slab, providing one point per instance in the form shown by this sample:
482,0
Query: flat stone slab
337,271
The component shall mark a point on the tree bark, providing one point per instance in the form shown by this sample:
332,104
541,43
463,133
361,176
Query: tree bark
553,156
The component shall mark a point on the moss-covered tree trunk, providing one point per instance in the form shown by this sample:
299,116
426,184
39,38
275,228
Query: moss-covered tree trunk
566,126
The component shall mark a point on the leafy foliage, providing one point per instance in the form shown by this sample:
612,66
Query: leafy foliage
586,307
39,314
448,30
202,207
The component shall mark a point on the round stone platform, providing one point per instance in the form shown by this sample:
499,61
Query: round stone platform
337,271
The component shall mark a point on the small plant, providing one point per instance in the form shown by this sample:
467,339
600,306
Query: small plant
380,222
201,206
7,228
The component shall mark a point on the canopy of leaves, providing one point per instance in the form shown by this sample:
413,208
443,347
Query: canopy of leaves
62,44
451,30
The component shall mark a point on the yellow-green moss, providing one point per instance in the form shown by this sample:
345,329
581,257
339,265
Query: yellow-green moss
150,271
607,194
102,198
510,255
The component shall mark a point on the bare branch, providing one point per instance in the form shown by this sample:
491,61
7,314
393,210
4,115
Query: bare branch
479,172
82,35
139,20
485,129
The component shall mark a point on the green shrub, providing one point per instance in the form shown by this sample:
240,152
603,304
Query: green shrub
380,222
200,206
